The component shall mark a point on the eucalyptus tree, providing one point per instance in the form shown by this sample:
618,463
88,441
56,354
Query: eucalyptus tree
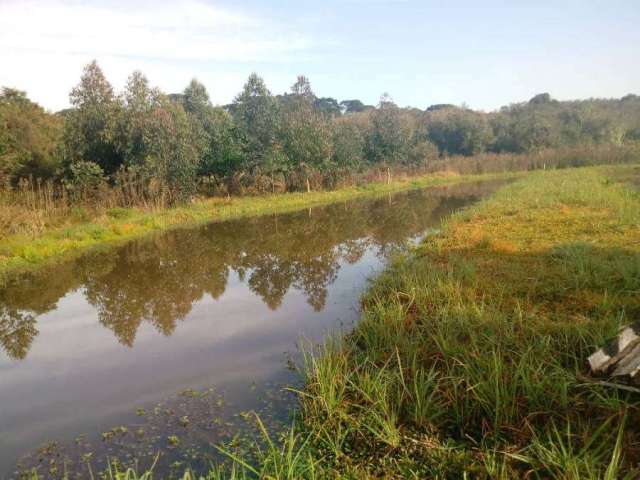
391,133
349,134
221,154
157,138
90,125
305,132
255,112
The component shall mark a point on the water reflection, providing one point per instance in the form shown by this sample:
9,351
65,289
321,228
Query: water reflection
158,280
17,331
85,343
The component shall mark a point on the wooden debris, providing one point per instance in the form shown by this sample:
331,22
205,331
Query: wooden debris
621,356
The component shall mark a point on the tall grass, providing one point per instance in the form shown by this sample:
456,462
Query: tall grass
470,358
33,206
551,158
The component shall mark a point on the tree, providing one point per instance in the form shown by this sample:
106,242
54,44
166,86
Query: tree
541,99
328,106
221,152
89,126
458,131
158,139
302,88
174,149
349,139
521,129
195,99
304,132
391,133
440,106
354,106
137,102
422,153
255,112
224,153
30,138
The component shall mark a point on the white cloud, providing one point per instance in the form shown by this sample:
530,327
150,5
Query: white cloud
43,45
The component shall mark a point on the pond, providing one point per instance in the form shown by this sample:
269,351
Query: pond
162,345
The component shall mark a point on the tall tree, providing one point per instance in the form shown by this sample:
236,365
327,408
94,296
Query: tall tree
195,99
305,132
302,88
459,131
158,138
328,106
30,138
221,153
138,102
255,112
391,134
89,126
354,106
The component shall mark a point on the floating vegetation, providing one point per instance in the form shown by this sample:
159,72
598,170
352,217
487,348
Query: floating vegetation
173,435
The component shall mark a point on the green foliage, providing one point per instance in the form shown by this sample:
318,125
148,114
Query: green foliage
255,112
159,138
348,140
84,177
543,123
391,132
30,138
422,153
90,125
304,132
458,131
354,106
174,144
223,155
328,106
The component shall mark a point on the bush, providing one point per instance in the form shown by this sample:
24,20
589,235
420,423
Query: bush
84,179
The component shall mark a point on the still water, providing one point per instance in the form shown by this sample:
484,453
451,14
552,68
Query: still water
161,345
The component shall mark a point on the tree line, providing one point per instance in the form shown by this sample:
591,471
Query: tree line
179,144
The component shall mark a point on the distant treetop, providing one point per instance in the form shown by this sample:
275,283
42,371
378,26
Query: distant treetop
440,106
541,99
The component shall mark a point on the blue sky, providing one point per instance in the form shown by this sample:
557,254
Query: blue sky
482,53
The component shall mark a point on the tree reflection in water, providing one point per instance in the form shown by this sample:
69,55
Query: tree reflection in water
158,280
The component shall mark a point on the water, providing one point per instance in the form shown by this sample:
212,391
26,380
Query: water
161,345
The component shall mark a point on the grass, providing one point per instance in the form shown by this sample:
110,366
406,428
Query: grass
80,232
470,357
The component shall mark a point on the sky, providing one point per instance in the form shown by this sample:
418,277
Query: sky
484,54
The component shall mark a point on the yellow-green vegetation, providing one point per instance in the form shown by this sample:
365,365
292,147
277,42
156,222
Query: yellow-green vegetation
79,233
470,358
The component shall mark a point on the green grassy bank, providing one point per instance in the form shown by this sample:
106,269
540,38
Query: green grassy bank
22,252
470,357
